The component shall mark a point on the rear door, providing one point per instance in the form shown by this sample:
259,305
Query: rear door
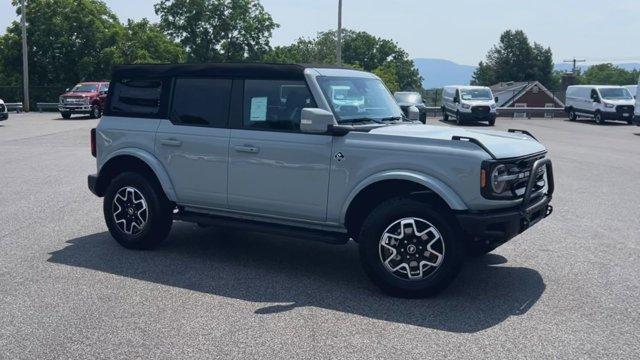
193,143
275,169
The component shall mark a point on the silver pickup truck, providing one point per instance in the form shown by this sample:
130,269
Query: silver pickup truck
317,153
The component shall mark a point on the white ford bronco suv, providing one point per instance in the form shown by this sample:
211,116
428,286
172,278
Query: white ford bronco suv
267,147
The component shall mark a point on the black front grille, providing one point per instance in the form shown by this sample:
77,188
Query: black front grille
480,110
625,109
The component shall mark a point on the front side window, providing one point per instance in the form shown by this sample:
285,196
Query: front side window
615,94
201,102
355,99
104,87
476,94
275,104
134,96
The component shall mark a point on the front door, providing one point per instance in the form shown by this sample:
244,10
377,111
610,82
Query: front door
274,169
194,144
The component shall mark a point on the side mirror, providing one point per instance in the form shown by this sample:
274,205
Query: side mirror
456,100
316,121
413,113
495,99
66,90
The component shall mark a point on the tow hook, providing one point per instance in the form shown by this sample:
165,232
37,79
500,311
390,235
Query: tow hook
549,210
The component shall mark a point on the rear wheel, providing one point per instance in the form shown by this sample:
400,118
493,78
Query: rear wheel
136,211
409,249
65,115
598,118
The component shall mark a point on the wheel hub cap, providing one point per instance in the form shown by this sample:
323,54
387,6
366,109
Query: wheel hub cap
130,210
411,249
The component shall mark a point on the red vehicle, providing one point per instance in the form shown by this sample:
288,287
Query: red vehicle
85,98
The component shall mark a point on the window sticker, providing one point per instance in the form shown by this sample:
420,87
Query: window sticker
258,109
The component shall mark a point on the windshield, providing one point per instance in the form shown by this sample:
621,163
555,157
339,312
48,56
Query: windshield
85,88
354,98
408,98
476,94
615,94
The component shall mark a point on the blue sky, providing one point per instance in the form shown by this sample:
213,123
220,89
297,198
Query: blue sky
458,30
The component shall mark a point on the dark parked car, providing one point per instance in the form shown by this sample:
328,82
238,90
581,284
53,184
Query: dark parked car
85,98
407,99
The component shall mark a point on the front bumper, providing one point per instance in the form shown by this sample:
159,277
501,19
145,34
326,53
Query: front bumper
469,116
78,109
618,115
4,116
497,227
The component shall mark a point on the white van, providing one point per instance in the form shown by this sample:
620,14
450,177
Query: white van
636,112
469,103
600,102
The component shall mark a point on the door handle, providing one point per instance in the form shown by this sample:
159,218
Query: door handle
171,142
247,149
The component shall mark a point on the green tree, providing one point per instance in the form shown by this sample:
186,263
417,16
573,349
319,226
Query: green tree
515,59
66,37
218,30
360,50
608,74
143,42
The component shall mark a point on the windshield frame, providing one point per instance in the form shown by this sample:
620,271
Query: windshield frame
394,110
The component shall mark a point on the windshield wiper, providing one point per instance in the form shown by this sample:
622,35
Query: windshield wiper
360,120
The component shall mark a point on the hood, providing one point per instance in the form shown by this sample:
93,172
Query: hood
620,101
502,144
479,102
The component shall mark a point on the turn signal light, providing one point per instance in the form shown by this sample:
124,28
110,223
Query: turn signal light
483,178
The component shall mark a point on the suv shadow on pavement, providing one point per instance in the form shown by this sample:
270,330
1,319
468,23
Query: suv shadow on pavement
291,273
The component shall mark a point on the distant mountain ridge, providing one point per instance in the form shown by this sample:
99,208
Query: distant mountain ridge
438,73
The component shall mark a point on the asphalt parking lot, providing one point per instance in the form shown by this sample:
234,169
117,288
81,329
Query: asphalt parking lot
568,288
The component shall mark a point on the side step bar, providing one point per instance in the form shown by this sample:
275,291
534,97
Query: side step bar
335,238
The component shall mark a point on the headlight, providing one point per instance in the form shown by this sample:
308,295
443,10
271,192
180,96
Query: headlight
498,179
466,106
609,106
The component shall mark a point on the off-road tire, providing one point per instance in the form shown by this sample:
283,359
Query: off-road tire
158,217
377,224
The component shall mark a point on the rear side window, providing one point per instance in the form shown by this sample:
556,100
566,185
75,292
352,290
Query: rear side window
201,102
275,104
136,97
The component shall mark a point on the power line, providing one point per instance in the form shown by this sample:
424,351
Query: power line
575,62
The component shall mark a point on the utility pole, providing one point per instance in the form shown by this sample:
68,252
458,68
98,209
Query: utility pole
339,43
25,57
575,62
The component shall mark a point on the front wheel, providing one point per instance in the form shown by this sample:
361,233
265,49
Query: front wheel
445,115
459,119
96,112
65,115
492,122
409,249
598,118
136,211
572,115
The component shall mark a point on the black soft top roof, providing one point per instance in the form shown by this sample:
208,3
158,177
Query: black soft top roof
240,70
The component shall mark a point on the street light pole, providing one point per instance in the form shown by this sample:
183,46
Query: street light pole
339,43
25,62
